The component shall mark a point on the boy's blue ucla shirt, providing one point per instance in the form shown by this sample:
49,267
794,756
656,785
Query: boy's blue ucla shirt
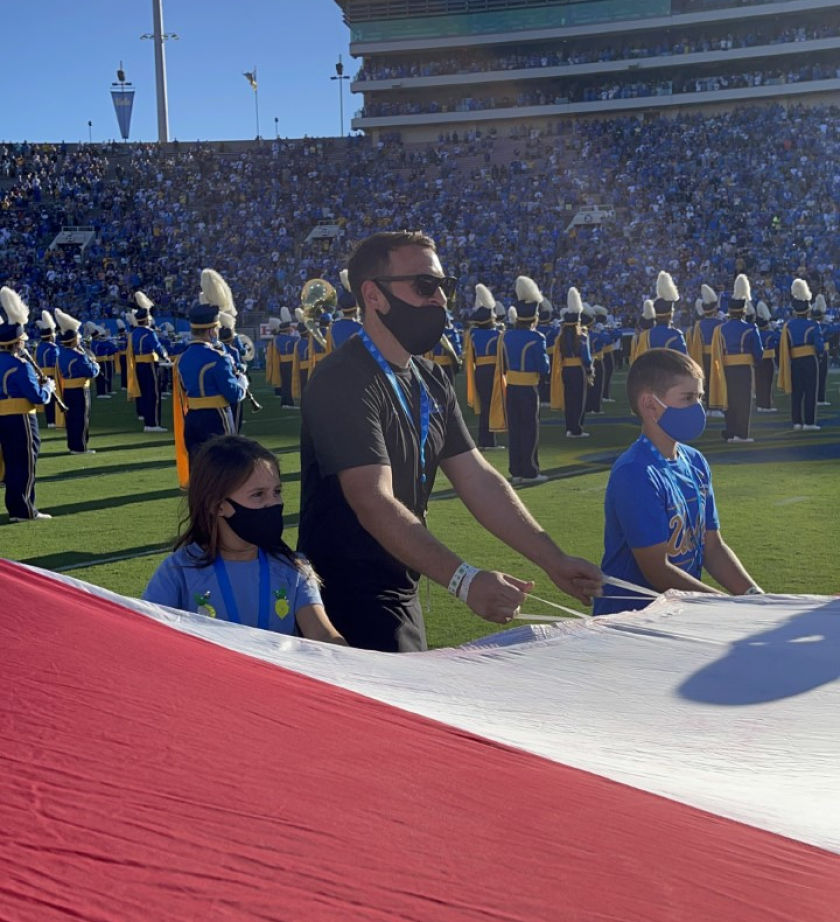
180,583
651,500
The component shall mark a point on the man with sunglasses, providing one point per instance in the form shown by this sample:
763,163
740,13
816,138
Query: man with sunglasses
377,424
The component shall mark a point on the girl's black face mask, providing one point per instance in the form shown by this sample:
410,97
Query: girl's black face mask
262,527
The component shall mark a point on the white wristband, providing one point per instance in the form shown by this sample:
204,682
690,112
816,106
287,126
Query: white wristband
466,582
457,577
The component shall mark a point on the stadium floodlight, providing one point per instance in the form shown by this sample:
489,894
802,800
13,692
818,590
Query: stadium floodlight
340,77
159,37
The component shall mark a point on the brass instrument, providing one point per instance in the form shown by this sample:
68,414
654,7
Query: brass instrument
249,351
317,296
256,406
450,349
42,378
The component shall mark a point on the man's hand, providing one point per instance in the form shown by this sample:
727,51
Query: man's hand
578,577
496,596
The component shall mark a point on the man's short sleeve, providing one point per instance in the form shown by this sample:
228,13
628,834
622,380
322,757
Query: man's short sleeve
343,417
458,439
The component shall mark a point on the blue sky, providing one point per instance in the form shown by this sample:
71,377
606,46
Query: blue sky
60,57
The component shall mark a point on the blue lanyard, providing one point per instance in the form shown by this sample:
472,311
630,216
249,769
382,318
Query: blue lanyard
697,528
231,607
424,396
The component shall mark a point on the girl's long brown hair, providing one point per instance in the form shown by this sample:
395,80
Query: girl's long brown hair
219,468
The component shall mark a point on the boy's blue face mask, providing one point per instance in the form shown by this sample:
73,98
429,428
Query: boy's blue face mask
682,424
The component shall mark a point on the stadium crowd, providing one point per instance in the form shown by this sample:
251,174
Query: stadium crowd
751,36
554,93
704,197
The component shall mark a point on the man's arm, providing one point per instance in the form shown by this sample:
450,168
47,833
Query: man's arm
498,508
723,565
369,491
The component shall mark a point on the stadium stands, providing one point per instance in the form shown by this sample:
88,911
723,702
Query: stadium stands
703,197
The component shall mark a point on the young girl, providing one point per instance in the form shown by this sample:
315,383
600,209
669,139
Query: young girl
231,562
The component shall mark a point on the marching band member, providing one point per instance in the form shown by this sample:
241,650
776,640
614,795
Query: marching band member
348,324
800,345
766,367
76,368
549,331
818,316
571,368
699,338
167,331
736,351
280,356
301,361
663,334
46,355
480,345
447,352
595,332
104,350
646,322
521,360
143,353
318,347
22,389
206,387
612,342
228,340
122,346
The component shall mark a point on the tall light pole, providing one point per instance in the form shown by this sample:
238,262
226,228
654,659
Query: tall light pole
340,77
159,37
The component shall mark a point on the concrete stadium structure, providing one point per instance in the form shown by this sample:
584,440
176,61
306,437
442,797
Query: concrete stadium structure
433,66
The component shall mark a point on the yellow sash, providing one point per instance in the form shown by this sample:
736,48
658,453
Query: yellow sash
641,344
469,364
523,378
718,395
179,412
16,406
694,341
297,365
498,402
784,382
131,371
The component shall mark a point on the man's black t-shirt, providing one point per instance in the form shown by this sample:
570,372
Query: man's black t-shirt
353,418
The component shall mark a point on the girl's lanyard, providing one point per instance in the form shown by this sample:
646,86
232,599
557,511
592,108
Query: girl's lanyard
395,386
696,528
231,607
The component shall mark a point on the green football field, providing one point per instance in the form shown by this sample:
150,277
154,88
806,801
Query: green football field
116,512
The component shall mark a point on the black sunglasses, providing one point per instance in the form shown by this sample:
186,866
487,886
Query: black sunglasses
425,285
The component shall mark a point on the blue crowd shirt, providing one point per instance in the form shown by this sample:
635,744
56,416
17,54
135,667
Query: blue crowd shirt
651,500
180,583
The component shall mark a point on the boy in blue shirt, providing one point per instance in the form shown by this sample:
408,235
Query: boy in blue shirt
662,525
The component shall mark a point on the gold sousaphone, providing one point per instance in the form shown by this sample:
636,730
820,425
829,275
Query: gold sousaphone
316,297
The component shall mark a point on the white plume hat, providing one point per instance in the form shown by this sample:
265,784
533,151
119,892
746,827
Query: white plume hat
527,290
